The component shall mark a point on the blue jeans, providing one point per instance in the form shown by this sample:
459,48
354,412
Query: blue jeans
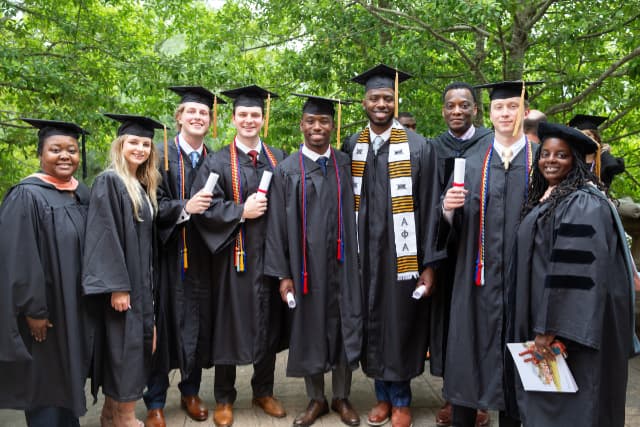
51,416
155,396
396,392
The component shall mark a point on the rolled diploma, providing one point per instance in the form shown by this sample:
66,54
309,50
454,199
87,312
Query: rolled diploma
418,292
264,184
291,301
211,182
458,172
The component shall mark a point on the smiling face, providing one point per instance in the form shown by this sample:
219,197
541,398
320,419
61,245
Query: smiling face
556,160
317,129
379,106
136,150
248,121
503,115
193,119
459,110
60,156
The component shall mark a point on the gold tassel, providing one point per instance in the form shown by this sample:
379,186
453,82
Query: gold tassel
395,114
166,150
520,115
339,120
598,160
266,119
215,116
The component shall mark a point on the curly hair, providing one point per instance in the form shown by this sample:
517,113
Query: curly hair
579,175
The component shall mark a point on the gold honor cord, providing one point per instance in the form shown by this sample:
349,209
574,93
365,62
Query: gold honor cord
266,119
166,150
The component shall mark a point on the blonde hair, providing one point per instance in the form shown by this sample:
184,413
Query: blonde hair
180,110
147,174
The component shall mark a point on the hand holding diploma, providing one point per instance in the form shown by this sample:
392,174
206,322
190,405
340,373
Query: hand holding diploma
201,201
287,292
455,196
265,181
425,285
256,204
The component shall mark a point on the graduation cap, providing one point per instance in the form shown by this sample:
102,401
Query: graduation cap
576,139
252,96
201,96
383,77
586,122
320,105
135,125
510,89
49,128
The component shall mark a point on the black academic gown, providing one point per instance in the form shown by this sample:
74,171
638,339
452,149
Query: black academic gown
571,280
326,325
396,326
246,306
448,149
42,232
183,315
118,256
610,167
474,353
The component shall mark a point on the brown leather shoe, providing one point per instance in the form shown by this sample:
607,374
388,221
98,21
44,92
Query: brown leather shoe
348,415
314,411
379,414
155,418
270,405
223,415
482,418
401,416
443,417
194,407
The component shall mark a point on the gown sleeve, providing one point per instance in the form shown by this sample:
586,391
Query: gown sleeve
582,249
104,264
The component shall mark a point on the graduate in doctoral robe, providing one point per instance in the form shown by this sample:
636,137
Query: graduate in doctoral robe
183,306
45,328
396,189
610,166
311,246
118,266
246,306
572,282
461,140
484,216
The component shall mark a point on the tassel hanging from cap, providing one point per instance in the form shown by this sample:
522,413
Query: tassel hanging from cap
166,150
214,131
266,119
339,123
519,117
395,91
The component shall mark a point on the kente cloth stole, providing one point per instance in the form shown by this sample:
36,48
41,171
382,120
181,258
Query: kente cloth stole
236,184
401,185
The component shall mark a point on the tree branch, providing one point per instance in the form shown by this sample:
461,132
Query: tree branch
596,84
610,29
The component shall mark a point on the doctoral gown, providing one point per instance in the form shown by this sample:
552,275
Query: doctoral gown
474,353
448,149
396,326
42,232
118,256
183,309
573,279
246,306
327,321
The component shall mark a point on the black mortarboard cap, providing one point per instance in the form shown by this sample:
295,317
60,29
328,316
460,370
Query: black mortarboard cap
49,128
249,96
381,76
196,94
576,139
507,89
135,125
319,104
586,122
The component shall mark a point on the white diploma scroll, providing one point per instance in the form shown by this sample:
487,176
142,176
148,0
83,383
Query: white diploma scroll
265,181
458,172
211,182
291,301
418,292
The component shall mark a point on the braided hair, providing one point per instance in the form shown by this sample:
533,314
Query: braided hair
579,175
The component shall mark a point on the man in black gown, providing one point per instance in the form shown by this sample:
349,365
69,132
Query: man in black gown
245,304
484,217
311,223
461,140
183,294
396,191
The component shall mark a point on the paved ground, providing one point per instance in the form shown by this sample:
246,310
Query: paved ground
290,391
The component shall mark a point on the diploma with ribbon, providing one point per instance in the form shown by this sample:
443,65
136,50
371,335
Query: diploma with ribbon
263,187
